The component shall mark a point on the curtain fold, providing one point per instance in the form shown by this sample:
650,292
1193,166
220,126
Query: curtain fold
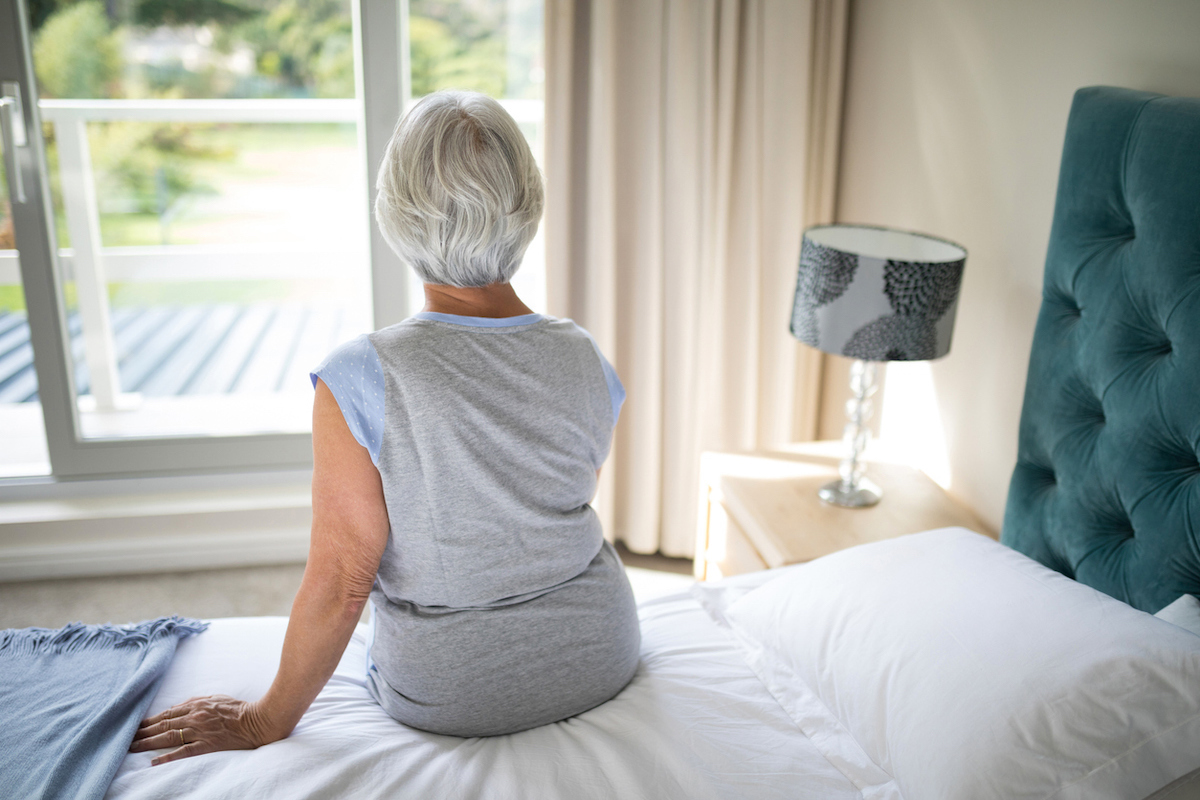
688,143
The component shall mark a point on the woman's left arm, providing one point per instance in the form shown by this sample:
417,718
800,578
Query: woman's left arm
349,533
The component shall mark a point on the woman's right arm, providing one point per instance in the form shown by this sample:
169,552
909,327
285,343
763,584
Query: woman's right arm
349,533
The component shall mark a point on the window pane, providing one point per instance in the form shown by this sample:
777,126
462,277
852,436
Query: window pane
23,443
184,49
211,253
489,46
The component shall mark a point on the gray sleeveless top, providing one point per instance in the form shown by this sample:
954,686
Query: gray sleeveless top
491,441
487,434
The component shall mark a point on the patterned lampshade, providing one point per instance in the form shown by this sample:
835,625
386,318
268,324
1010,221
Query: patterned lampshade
877,294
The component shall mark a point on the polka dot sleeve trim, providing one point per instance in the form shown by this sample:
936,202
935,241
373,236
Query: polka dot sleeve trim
355,378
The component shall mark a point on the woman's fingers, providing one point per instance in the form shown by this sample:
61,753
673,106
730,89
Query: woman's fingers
174,711
159,727
188,750
165,733
172,738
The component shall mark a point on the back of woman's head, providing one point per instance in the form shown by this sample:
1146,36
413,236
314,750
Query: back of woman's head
459,194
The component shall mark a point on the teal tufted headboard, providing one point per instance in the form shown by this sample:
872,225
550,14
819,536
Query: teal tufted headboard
1107,484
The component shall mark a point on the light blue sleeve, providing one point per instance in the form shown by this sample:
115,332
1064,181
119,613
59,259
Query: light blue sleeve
355,378
616,391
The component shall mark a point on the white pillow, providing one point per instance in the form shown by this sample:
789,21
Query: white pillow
716,596
944,665
1184,612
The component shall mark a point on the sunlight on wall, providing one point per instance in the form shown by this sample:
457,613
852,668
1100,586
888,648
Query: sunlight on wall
910,425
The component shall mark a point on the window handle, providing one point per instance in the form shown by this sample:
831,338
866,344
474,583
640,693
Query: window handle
13,136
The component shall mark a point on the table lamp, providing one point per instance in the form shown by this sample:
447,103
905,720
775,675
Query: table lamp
873,294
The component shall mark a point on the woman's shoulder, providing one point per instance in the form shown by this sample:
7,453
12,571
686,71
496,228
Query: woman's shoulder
568,329
433,325
354,376
425,331
588,344
347,358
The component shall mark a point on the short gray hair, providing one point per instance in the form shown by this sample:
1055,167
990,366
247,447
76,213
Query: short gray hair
459,195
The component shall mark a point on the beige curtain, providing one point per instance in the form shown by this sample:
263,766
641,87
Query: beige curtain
688,144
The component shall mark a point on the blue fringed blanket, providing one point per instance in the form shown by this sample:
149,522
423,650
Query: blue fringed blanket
71,700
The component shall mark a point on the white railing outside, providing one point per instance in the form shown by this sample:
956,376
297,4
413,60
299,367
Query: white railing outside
68,111
196,262
92,265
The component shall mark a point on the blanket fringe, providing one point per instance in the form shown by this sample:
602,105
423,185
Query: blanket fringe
77,637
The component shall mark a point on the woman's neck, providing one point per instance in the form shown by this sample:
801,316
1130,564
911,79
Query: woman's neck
496,300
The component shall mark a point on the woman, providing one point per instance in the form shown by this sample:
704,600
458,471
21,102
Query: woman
454,458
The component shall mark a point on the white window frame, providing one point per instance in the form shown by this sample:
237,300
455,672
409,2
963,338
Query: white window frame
382,80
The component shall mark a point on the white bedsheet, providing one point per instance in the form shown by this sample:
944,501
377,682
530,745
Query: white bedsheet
694,723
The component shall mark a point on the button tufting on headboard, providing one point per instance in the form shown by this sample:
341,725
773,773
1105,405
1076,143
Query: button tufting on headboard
1107,483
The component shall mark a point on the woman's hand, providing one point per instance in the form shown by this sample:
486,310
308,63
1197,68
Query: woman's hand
203,725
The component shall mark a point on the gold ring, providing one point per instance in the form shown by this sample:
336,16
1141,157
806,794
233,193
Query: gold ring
180,736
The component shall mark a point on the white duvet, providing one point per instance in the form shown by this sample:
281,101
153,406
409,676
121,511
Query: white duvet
694,723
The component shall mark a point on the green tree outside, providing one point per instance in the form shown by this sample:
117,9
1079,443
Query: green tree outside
300,48
77,53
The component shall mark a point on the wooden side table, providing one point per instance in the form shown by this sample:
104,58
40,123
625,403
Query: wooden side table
761,510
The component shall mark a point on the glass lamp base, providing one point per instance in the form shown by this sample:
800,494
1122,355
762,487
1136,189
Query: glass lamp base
865,494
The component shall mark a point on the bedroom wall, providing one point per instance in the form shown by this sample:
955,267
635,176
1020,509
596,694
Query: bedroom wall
954,119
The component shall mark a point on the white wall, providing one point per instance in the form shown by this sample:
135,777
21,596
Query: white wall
954,124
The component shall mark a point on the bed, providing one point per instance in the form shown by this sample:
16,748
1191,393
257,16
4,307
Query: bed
937,665
695,723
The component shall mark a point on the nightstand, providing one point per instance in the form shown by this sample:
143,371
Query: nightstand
761,510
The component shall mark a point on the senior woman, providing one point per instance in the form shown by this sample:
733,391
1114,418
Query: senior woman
454,458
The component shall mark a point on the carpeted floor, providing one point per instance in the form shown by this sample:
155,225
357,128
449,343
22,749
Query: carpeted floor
246,592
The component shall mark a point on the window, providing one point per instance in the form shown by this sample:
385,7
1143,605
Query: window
24,439
200,198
